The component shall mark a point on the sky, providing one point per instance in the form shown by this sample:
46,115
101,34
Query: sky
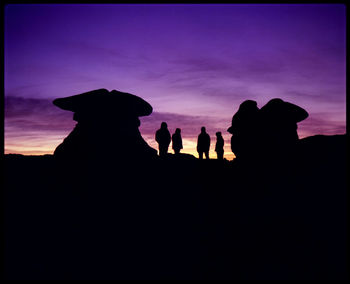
193,63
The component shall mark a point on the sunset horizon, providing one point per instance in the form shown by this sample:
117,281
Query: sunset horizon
194,64
109,112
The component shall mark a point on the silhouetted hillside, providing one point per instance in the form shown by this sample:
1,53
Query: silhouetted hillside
322,149
178,218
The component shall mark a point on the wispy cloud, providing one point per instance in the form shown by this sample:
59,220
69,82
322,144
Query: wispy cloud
34,125
321,123
190,124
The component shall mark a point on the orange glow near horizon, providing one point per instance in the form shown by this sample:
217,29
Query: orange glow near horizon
27,147
190,147
40,144
24,148
33,145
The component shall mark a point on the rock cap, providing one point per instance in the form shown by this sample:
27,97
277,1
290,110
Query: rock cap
102,101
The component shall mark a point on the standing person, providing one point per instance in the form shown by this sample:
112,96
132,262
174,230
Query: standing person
219,147
203,144
177,141
163,138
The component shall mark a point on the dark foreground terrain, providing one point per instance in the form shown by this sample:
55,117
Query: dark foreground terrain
179,218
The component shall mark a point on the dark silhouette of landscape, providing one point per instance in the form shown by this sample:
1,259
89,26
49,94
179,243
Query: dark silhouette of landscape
106,206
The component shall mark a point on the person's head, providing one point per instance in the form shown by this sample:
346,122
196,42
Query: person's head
203,129
218,134
178,131
163,125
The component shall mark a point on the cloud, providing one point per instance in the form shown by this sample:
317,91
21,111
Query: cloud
321,123
34,125
331,96
190,124
35,114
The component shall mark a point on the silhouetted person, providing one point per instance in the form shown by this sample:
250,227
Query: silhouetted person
177,141
219,147
163,138
203,144
245,130
278,125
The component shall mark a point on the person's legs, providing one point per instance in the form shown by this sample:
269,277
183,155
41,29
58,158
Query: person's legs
207,155
163,150
200,154
220,155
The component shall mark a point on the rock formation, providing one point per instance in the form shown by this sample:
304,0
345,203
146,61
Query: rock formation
107,126
245,130
267,132
278,127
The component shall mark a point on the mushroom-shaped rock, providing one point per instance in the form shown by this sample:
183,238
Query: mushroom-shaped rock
277,109
103,103
278,125
107,126
281,117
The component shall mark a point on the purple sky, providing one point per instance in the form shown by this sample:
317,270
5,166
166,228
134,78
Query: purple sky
193,63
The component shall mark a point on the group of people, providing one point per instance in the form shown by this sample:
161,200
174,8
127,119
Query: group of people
164,138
